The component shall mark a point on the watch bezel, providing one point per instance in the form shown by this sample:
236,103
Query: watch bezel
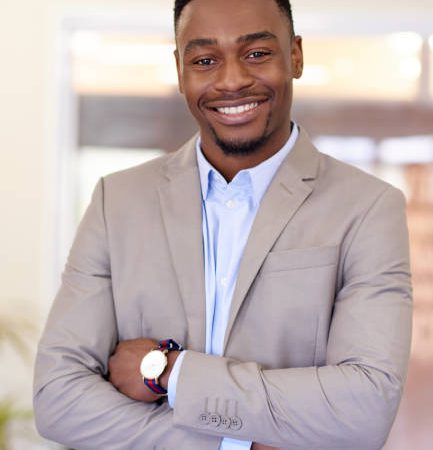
153,364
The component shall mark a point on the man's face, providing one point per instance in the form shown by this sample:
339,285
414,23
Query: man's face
236,60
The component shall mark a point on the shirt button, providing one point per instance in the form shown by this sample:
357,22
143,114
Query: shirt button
224,282
230,204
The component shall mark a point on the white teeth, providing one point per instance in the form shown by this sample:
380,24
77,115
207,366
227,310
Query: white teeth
237,109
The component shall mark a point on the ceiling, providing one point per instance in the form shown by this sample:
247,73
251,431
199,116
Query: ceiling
337,17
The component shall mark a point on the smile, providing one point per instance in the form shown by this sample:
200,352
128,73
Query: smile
239,114
237,109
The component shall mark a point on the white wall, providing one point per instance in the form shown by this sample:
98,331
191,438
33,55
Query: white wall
22,150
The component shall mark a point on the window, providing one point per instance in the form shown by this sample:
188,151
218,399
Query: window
363,68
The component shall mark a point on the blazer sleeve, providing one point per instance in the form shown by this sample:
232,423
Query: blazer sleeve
73,403
351,401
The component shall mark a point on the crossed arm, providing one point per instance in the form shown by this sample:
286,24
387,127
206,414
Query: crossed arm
124,373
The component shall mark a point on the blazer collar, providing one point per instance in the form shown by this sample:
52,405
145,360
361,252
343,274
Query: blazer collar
182,161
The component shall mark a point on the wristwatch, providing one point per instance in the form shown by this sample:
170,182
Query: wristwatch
154,363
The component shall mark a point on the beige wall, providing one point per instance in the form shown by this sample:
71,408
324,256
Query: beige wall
23,78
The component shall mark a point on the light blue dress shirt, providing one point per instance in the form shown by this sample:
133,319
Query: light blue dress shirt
229,210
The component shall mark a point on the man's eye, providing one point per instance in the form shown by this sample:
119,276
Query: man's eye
258,54
204,62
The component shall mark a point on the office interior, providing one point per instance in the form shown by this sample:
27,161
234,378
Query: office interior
89,87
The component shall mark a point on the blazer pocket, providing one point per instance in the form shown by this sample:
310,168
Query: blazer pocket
302,258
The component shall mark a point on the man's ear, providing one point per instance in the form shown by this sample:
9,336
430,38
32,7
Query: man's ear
297,57
179,71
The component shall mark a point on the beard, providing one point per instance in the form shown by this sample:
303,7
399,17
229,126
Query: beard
235,147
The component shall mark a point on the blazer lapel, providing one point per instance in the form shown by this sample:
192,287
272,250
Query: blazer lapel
181,208
287,192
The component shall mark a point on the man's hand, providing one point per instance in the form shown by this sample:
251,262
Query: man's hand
124,369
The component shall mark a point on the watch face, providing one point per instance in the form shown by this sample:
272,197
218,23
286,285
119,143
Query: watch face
153,364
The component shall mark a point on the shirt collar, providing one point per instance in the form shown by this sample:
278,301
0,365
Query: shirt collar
260,176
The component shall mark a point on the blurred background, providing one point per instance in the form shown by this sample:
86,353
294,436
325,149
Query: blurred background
89,87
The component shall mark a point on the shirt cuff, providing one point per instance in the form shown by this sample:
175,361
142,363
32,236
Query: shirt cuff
172,379
234,444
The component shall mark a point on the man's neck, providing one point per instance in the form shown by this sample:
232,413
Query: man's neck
229,165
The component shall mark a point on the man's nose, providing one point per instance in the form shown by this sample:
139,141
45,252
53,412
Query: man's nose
233,76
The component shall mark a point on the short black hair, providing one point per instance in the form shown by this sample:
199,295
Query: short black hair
284,5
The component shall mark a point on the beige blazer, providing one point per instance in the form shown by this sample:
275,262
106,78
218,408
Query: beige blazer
318,339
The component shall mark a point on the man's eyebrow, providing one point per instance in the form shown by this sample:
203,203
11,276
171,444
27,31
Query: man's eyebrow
245,39
259,36
200,42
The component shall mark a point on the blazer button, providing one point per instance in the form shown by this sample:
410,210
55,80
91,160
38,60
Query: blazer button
215,420
235,423
204,418
225,422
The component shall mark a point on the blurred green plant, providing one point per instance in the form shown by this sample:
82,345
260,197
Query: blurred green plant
9,414
15,332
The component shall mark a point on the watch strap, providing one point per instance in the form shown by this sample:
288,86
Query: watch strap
154,386
169,345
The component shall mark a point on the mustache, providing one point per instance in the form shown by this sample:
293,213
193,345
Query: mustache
231,96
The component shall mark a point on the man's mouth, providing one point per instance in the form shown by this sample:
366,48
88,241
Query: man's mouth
232,110
237,112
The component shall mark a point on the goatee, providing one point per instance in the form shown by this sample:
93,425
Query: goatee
242,148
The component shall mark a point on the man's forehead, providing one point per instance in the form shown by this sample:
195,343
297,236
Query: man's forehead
222,14
224,20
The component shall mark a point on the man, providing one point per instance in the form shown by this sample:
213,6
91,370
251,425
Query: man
282,272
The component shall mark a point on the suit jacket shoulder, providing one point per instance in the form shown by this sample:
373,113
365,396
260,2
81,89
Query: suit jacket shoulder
151,173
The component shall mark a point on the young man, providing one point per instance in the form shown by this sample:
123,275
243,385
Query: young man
283,273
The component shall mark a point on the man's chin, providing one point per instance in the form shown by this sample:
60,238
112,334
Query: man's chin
240,147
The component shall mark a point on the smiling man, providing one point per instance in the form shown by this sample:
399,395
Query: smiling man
236,76
262,285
